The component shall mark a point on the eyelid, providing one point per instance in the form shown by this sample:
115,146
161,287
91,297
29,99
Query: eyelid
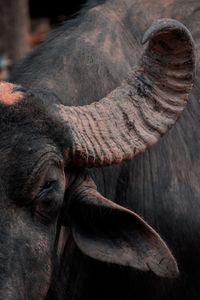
42,172
48,189
36,172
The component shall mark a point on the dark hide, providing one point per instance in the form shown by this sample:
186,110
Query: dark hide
93,54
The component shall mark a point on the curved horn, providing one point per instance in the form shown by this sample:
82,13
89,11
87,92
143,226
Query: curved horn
146,104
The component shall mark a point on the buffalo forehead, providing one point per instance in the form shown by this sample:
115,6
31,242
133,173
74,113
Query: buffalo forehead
20,156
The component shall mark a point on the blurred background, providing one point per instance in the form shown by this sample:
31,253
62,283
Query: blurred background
26,23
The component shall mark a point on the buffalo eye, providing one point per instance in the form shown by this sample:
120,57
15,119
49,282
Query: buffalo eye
48,186
49,198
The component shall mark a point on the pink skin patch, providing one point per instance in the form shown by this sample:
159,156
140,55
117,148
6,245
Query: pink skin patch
7,94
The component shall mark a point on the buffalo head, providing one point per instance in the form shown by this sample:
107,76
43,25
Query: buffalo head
45,148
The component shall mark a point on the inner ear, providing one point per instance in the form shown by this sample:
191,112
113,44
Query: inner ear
108,232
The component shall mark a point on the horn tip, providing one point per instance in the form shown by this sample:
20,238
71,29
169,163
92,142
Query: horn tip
163,24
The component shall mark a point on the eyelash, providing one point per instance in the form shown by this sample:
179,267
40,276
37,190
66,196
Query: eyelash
47,187
49,184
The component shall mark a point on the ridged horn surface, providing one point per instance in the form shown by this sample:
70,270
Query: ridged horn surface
147,103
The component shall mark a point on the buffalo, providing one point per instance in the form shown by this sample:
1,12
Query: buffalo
77,211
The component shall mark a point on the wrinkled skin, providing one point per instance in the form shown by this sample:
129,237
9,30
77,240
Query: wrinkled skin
161,185
28,214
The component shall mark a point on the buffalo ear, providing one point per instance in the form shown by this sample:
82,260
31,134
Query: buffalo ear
108,232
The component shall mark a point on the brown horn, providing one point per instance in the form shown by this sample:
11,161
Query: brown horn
146,104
